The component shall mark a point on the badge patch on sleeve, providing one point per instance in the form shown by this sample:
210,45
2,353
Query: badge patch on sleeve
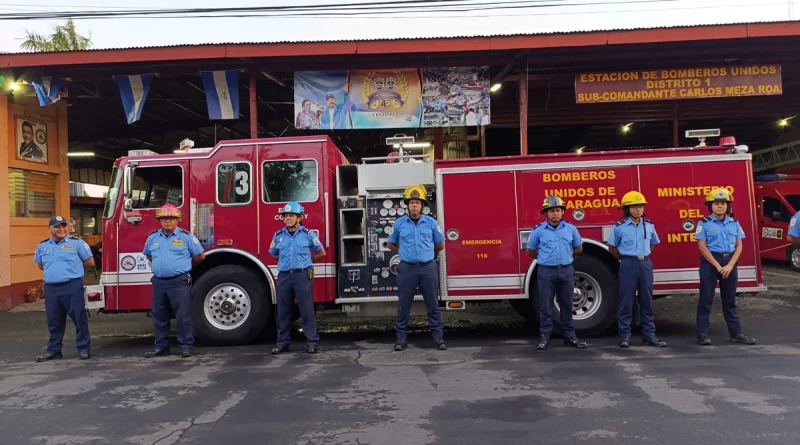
272,244
699,228
316,242
793,222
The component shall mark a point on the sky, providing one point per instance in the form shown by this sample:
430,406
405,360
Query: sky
567,15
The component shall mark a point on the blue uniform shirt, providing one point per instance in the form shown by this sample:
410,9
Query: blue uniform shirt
415,241
720,236
634,239
794,230
554,244
172,254
62,261
294,249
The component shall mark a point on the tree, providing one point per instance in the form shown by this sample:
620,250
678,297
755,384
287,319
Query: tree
64,38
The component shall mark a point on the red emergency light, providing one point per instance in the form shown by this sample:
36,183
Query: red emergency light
727,141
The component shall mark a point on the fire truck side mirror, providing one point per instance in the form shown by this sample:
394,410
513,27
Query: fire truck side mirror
127,183
127,204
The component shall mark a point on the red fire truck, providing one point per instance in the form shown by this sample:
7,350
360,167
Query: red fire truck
486,208
777,201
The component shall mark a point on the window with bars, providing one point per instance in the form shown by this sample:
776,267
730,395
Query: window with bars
31,194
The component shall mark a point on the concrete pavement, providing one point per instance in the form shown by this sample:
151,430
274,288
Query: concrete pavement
492,386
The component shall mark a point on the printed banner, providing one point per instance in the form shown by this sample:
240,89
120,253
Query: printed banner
391,98
673,84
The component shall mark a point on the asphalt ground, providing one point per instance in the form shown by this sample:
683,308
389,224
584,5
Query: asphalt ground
491,386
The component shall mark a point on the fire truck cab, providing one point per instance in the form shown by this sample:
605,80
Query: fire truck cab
777,201
486,207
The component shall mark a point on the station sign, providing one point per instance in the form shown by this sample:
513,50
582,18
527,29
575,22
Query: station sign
678,83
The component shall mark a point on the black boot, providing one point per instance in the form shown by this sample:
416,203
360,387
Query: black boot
49,356
703,339
440,344
743,339
654,342
544,340
157,353
624,342
280,350
573,342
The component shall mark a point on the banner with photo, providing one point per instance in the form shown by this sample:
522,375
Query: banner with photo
391,98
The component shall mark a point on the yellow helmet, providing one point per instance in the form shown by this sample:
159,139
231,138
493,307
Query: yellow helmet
552,202
415,191
719,195
633,198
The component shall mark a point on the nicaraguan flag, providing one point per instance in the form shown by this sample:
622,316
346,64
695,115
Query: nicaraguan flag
133,90
48,91
222,94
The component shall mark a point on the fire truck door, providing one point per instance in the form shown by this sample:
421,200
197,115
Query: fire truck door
294,173
153,185
482,248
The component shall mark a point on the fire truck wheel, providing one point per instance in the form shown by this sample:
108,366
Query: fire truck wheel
229,305
595,299
793,256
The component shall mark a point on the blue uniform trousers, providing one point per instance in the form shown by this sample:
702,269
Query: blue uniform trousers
64,299
727,288
293,286
558,281
175,293
635,275
425,277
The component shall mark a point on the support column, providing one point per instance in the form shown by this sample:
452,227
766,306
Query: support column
253,104
438,143
676,136
483,141
523,109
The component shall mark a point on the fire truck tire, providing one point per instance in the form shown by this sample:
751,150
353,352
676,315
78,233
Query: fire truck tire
793,256
229,306
596,299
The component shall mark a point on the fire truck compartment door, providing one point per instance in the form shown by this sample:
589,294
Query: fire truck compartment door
482,251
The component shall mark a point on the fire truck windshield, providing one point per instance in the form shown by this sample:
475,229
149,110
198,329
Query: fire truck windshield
113,193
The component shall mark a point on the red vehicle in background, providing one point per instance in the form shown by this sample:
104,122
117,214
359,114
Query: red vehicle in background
777,200
486,208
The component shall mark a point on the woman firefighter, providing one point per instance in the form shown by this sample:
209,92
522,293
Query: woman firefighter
719,238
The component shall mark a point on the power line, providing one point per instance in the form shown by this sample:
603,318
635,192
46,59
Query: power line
365,8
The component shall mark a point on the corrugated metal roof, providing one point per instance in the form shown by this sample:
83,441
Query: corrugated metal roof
449,37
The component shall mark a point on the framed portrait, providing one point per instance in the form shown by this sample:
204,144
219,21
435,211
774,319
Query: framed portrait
31,141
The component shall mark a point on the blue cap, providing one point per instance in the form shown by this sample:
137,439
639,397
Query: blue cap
57,221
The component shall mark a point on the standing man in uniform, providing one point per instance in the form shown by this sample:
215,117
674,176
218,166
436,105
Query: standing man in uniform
719,238
172,253
292,246
553,244
631,242
417,239
63,259
793,235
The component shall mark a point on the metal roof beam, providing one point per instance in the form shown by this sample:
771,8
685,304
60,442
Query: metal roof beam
778,156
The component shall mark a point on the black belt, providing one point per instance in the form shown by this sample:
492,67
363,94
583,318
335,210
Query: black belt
559,266
418,264
181,275
637,257
722,254
294,270
62,283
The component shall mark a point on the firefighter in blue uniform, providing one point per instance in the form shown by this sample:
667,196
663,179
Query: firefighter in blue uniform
417,238
553,244
631,242
292,246
793,235
719,238
63,259
172,253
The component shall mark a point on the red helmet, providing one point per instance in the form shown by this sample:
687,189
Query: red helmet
168,211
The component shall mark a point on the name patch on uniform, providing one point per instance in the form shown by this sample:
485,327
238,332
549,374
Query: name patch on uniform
67,247
178,242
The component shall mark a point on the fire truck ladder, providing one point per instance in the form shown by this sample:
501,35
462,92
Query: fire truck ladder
778,156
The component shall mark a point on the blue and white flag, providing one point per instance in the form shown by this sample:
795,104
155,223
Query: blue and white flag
48,91
222,93
133,90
